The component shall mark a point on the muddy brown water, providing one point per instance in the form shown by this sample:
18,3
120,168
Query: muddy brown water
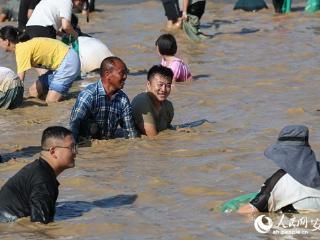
259,73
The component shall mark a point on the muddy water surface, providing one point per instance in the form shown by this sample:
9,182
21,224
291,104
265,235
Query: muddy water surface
259,73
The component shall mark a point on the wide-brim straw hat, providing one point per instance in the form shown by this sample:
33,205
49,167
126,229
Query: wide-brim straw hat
293,154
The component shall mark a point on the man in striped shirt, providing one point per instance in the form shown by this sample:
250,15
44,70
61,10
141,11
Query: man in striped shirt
102,106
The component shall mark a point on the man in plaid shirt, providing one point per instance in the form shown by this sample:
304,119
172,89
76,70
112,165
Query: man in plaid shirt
102,106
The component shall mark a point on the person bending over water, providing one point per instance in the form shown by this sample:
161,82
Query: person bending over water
33,191
50,17
296,185
62,62
151,110
167,48
11,89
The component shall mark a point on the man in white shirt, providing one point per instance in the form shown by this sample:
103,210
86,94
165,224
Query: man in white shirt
51,17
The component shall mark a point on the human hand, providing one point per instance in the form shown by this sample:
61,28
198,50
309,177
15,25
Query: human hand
184,16
75,35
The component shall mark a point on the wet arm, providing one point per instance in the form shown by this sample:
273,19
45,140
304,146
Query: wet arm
3,17
80,112
185,8
22,75
171,115
67,27
32,6
248,208
42,204
30,11
148,129
144,119
127,121
190,78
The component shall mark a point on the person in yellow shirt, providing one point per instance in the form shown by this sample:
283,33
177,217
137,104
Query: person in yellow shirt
62,62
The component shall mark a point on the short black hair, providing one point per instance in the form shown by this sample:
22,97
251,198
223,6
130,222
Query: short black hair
54,132
160,70
108,64
13,34
167,45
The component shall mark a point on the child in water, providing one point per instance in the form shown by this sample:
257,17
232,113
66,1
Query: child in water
167,48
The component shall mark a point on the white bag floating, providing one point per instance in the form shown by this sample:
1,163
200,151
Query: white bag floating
91,52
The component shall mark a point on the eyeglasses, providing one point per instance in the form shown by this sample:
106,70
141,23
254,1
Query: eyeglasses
72,147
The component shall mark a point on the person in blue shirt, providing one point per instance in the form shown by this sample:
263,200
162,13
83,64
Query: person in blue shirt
102,106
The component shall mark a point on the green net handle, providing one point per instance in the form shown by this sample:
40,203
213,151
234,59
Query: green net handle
234,204
69,40
312,6
286,7
74,43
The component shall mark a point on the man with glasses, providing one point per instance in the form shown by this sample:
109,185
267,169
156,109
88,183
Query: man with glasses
33,191
102,106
